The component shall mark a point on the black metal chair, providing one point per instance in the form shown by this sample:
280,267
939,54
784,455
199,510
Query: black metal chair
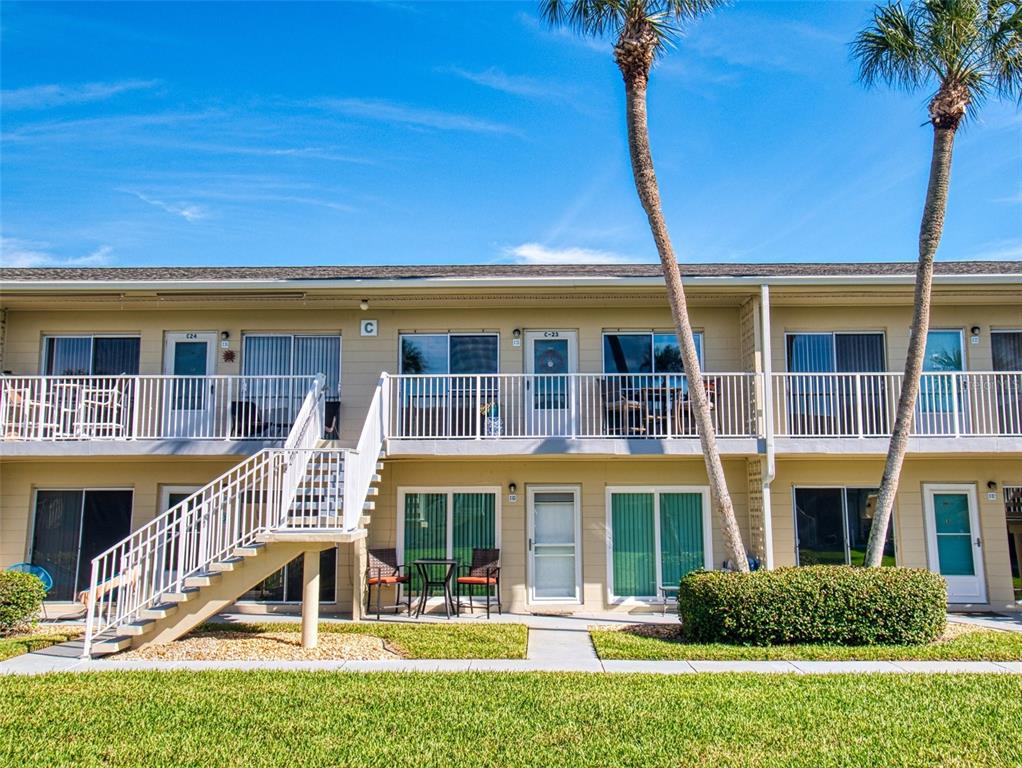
484,572
383,571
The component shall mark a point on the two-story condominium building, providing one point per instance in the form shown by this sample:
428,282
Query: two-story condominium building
197,429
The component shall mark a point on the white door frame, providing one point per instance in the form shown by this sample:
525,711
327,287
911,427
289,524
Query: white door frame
530,493
970,589
186,421
566,420
167,490
656,491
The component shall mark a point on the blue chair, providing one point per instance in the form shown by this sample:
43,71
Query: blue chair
39,572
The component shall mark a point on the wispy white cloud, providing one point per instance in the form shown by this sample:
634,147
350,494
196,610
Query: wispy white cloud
517,85
54,95
401,114
18,252
187,211
537,253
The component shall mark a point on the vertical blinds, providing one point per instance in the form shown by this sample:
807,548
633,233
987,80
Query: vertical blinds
639,565
835,352
470,517
95,356
294,356
633,544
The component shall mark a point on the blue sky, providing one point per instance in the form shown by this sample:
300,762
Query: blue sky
421,132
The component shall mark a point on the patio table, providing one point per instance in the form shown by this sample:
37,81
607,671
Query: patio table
425,567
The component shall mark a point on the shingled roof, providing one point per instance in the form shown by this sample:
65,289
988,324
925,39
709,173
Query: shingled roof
484,271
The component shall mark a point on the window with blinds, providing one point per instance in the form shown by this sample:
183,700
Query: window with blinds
657,536
294,355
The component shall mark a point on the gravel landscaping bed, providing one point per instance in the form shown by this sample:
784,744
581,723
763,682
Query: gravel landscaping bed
264,646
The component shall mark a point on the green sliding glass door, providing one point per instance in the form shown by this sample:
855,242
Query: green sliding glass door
447,524
657,537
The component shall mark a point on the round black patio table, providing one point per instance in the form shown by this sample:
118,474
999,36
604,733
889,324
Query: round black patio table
427,566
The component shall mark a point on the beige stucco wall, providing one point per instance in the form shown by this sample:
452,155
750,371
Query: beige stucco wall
19,481
592,476
910,534
894,322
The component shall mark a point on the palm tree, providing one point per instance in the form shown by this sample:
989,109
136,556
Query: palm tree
967,50
642,30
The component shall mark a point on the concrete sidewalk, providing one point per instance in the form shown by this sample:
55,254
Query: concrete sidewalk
556,644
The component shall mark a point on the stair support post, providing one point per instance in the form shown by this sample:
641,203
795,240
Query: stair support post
310,599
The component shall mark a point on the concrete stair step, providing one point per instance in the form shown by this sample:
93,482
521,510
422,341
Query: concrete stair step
377,478
364,521
369,506
202,579
250,550
137,628
224,566
379,466
373,491
183,596
160,611
111,645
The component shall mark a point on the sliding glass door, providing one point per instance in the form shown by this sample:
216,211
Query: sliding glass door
832,526
1007,351
657,536
73,526
446,523
827,404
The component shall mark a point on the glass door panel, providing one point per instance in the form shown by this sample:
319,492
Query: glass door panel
953,541
553,532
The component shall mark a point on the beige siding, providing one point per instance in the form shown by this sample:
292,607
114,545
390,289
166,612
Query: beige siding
894,322
910,534
593,477
20,480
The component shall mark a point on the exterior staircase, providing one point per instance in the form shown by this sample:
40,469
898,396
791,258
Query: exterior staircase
200,556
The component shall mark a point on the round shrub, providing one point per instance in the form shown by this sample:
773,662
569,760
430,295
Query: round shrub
822,604
21,597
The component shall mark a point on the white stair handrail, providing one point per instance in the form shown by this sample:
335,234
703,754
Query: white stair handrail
229,512
360,463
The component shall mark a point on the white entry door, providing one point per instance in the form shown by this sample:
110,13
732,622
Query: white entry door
553,527
954,546
188,398
550,393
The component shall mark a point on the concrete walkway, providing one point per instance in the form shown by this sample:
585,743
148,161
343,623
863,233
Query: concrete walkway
556,644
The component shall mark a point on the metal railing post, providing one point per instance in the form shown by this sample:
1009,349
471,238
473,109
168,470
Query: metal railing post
858,405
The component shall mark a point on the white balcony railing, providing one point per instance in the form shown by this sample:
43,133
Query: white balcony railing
577,405
954,404
51,408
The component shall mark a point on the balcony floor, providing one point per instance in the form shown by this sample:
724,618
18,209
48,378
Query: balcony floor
184,446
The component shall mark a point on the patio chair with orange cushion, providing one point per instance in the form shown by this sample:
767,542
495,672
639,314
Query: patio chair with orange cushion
384,571
484,572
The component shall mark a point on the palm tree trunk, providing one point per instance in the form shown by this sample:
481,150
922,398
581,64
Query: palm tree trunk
649,196
930,231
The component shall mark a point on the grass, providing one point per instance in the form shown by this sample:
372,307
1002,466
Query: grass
475,719
663,643
415,641
19,644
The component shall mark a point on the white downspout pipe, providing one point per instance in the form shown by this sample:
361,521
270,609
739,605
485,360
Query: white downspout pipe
768,426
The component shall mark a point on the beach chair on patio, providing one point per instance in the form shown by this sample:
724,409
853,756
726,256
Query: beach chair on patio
484,572
384,571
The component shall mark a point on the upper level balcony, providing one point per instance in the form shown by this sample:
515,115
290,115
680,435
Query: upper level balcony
516,414
133,414
652,413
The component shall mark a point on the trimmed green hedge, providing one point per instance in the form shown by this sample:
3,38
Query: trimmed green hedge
817,604
21,597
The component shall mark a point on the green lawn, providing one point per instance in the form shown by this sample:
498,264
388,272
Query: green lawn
965,644
19,644
476,719
416,641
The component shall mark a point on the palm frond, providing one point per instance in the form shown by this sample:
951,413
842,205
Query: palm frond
888,50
